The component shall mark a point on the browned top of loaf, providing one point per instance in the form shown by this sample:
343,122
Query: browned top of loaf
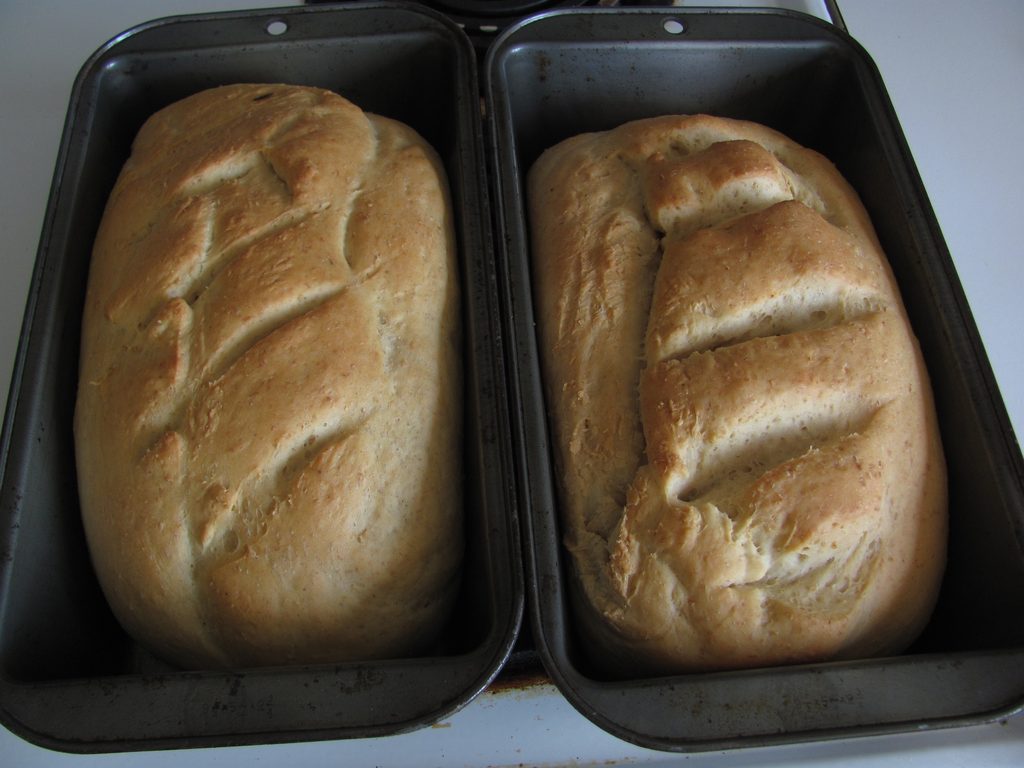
268,419
746,444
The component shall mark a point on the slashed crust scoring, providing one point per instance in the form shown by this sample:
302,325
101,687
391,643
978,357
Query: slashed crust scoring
267,426
748,458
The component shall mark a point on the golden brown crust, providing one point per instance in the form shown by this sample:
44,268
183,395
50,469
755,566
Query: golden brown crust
749,463
268,418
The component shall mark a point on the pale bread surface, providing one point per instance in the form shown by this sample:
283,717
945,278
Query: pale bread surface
747,454
268,419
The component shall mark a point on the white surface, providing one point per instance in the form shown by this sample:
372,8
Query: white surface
952,70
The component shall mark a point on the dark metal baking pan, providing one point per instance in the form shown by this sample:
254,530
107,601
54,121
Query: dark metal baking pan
70,678
568,72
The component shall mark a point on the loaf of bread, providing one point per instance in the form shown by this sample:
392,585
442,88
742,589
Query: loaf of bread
267,427
746,447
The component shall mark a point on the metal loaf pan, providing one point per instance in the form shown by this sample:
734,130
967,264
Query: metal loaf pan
568,72
70,678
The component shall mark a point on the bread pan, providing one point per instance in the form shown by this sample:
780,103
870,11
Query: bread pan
70,678
572,71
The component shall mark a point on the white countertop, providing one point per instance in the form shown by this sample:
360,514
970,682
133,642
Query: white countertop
952,71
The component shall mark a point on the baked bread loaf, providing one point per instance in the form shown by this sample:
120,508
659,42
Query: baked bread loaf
749,465
267,426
